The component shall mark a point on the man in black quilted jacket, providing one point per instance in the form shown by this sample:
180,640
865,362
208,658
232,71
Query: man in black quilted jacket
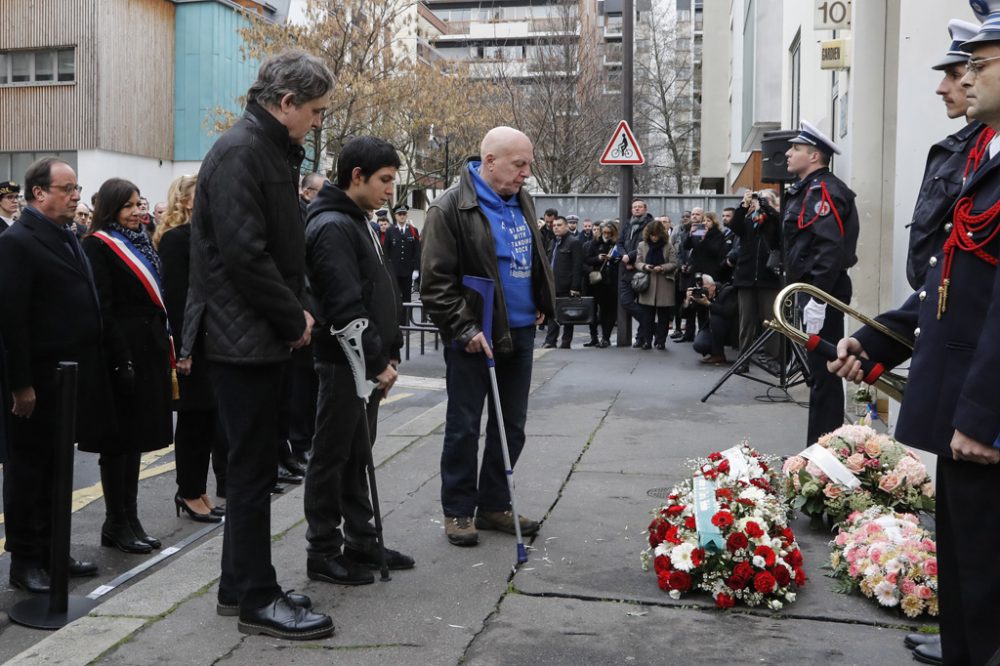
246,308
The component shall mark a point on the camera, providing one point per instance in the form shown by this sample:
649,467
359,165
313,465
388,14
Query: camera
755,195
697,292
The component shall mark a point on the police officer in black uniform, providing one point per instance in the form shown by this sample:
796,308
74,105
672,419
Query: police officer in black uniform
821,234
951,406
9,191
404,252
949,161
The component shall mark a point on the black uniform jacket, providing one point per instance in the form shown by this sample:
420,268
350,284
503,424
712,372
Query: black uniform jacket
135,331
403,249
568,268
751,260
350,280
940,187
952,384
49,313
824,248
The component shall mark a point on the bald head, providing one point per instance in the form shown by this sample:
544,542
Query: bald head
507,156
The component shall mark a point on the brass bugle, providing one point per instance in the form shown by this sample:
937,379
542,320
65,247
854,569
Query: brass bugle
875,373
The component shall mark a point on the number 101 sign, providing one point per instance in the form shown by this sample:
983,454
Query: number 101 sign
833,15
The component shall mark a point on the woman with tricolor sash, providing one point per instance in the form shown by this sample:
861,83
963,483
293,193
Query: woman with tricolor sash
138,349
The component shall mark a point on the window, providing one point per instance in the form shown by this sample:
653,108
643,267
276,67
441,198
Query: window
47,66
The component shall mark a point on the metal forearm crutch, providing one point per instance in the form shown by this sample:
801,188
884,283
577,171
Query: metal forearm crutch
484,287
349,338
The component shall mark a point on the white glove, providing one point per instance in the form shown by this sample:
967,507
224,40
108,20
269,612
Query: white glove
415,275
813,315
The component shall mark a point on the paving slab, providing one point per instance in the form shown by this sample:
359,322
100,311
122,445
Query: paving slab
529,630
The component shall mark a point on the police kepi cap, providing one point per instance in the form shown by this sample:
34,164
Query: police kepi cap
987,11
401,208
382,213
810,134
9,187
960,31
572,218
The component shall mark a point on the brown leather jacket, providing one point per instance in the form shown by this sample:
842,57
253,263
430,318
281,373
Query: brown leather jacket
458,241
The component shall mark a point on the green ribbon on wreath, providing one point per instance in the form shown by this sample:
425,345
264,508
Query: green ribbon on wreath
706,506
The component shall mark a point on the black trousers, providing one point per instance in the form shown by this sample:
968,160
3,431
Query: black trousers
712,339
405,283
826,395
248,398
336,486
552,333
197,437
28,480
968,538
655,324
300,400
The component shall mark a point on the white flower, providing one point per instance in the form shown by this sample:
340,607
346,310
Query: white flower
752,493
893,566
759,562
680,557
790,597
775,604
887,594
663,548
674,594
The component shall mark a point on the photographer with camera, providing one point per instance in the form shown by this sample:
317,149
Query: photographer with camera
717,303
707,246
757,276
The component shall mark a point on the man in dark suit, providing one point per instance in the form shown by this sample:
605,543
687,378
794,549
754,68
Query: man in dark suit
48,313
566,260
404,254
951,407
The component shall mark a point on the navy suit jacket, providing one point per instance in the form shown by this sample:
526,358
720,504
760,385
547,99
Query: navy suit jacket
952,383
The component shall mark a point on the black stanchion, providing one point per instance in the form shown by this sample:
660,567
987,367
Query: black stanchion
59,608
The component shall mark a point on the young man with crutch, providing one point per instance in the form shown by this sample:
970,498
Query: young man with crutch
350,280
484,227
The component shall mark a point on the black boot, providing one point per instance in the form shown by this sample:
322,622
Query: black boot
116,532
132,464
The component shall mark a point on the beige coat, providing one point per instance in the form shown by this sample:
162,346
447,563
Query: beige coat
661,291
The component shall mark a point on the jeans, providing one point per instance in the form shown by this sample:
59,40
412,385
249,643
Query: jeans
336,486
468,388
249,399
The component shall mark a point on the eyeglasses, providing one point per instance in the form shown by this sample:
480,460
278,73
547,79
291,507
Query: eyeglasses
66,189
975,65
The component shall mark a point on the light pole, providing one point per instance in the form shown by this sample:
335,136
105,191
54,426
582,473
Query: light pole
437,142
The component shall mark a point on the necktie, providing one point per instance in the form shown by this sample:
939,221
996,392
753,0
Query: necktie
74,246
555,252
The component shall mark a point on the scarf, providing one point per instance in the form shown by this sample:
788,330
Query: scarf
141,241
654,255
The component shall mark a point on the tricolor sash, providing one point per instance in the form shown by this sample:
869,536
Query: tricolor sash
143,271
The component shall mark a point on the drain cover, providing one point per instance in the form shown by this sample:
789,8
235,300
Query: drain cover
659,493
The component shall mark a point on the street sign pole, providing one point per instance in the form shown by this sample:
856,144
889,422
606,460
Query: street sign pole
625,178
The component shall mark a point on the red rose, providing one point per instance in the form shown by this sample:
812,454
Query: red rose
763,465
715,456
724,493
680,581
671,535
743,570
764,582
746,502
800,576
794,558
689,523
697,556
762,484
736,583
787,534
766,553
736,540
710,474
675,510
722,519
782,576
663,580
724,601
724,467
753,530
661,563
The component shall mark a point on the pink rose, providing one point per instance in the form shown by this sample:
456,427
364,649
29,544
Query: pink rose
890,482
912,469
924,592
833,491
814,470
855,462
892,578
907,586
873,448
927,489
930,567
793,465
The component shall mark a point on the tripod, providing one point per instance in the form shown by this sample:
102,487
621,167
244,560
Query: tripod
793,370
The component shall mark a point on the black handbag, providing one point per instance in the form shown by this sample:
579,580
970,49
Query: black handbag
640,282
575,310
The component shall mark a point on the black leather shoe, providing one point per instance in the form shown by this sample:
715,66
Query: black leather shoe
290,461
592,343
564,345
637,344
920,638
338,570
548,345
81,569
29,577
395,560
283,619
286,476
219,510
928,653
676,334
646,345
660,346
122,538
231,608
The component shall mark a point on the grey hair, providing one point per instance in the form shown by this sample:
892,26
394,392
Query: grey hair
298,73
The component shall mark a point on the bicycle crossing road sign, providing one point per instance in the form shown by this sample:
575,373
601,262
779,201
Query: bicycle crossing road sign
622,148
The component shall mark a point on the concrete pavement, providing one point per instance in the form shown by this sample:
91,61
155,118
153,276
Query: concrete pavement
605,427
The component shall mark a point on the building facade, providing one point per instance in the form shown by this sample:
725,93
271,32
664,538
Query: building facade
120,87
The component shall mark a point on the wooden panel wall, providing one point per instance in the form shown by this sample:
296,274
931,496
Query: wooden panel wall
50,117
136,77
